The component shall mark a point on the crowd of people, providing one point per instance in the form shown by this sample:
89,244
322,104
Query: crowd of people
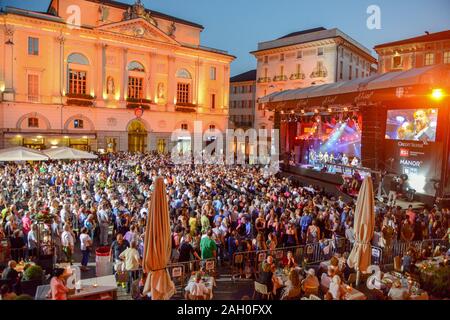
215,211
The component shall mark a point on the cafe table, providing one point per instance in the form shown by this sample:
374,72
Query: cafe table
389,278
436,261
351,293
101,288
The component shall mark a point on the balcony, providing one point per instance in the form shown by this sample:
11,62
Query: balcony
319,74
297,76
264,80
133,103
84,100
185,107
280,78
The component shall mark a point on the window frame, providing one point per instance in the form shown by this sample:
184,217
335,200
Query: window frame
79,125
426,61
213,73
77,85
446,57
31,124
135,87
33,97
319,50
33,46
183,93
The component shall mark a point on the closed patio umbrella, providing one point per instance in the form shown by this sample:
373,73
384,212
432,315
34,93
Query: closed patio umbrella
21,154
66,153
364,222
158,245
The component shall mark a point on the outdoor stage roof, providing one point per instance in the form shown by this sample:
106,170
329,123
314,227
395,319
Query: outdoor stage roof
437,75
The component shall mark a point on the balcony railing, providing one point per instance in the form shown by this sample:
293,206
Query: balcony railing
75,99
264,80
133,103
319,74
280,78
185,107
297,76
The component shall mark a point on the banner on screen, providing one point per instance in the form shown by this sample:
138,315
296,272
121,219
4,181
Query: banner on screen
412,124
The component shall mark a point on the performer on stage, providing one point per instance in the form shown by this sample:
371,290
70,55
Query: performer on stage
344,160
355,162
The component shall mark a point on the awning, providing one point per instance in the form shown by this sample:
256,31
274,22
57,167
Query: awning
357,89
12,134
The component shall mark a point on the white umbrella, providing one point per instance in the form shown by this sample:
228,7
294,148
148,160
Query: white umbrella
65,153
21,154
360,257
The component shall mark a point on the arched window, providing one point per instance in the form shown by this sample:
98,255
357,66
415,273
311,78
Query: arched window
184,87
135,82
78,58
136,66
77,79
183,74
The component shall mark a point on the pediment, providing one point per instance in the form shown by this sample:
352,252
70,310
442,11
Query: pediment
138,28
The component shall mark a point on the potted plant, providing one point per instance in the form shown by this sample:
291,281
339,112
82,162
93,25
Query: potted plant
33,272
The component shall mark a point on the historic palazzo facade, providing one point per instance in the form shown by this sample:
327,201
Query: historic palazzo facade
124,78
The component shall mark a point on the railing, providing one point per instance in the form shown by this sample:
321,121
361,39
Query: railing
319,74
280,78
386,255
311,253
180,272
264,80
297,76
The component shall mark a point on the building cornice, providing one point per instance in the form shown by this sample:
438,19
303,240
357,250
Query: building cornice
120,40
314,44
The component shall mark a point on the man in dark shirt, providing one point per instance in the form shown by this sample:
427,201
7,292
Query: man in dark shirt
186,250
10,272
118,246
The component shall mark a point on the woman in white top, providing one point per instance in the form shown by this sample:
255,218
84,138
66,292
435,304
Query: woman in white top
335,288
85,246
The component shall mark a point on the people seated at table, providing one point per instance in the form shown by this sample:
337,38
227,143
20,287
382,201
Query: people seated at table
289,261
10,273
58,288
6,293
336,292
293,287
310,285
397,292
197,290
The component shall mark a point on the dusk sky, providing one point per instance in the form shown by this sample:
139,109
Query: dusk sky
238,25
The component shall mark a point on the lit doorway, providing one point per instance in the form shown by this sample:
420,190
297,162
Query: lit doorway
137,137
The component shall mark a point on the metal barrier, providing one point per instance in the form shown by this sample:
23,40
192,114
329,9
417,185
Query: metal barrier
386,255
311,253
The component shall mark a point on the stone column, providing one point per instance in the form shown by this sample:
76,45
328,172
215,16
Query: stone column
171,82
225,89
124,75
9,92
151,87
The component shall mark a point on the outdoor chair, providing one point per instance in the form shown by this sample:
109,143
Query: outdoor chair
262,290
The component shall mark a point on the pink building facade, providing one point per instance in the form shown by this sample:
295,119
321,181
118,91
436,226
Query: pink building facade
107,76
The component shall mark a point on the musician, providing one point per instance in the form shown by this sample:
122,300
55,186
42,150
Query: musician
355,162
344,160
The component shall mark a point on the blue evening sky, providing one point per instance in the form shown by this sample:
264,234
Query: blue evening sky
238,25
